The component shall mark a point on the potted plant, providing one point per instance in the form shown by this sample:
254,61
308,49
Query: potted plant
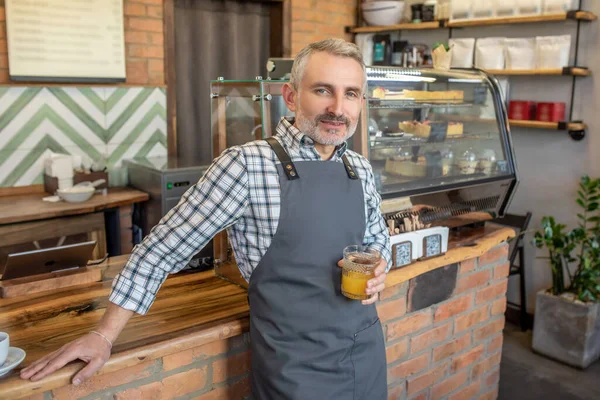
567,316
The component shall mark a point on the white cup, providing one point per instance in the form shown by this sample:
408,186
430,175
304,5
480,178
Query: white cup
4,343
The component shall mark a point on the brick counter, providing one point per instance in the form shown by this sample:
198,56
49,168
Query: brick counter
442,323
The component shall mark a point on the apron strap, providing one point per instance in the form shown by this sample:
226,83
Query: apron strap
349,170
288,166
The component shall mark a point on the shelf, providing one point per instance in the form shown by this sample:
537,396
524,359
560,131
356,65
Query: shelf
571,15
411,104
559,126
393,142
572,71
399,27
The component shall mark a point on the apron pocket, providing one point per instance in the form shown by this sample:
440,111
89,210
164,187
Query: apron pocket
368,358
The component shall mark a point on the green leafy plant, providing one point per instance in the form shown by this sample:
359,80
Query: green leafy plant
579,247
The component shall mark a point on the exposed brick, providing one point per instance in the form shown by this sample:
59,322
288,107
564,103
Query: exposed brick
104,381
146,51
431,337
409,367
471,281
391,309
501,271
135,9
154,2
155,11
184,382
449,385
156,65
157,78
2,30
488,329
453,347
491,292
3,46
3,61
485,366
498,306
396,351
151,391
304,26
495,343
425,380
420,396
491,395
145,24
492,378
2,13
453,307
137,71
393,291
494,255
136,37
467,321
467,359
230,367
237,391
396,392
157,39
186,357
409,324
468,266
468,393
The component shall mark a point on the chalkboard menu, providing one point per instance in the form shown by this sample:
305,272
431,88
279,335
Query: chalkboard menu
65,40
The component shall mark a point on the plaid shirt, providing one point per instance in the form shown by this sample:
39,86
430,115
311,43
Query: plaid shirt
239,192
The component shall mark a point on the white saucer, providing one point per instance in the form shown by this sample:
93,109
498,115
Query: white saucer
14,358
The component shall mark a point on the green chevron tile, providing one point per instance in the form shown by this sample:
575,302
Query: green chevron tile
114,98
78,112
18,106
93,97
128,112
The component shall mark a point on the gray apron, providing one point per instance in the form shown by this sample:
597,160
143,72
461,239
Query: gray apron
308,341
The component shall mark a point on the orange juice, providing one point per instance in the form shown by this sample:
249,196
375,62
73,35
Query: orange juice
356,272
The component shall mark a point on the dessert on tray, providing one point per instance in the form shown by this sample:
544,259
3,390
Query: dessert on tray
423,129
419,95
405,166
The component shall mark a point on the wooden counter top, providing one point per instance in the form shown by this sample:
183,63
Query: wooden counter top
30,207
191,309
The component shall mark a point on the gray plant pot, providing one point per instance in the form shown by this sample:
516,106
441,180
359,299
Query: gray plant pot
566,331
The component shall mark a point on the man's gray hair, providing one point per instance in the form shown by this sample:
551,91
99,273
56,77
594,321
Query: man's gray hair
332,46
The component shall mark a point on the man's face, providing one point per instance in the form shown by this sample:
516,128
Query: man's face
329,98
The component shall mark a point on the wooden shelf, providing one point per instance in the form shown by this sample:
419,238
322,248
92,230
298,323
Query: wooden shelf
576,15
571,71
570,126
399,27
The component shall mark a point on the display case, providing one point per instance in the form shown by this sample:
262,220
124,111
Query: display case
438,141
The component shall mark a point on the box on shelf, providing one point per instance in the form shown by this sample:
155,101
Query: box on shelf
409,247
550,112
522,110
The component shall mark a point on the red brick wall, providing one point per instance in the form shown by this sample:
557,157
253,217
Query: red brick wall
144,52
313,20
452,348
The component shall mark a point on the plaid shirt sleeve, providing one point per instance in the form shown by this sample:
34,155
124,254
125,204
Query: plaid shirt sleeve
216,202
376,234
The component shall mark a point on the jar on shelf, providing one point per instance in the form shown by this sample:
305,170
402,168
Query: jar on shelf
486,162
447,162
467,163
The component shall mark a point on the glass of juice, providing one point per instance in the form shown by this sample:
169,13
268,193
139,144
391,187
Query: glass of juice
358,267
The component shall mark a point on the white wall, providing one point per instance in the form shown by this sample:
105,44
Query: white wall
550,163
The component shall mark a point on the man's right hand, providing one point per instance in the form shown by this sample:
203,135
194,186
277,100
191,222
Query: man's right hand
91,348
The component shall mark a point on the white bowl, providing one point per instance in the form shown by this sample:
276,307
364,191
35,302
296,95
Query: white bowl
76,194
379,13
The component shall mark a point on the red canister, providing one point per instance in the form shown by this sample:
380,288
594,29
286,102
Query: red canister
550,112
522,110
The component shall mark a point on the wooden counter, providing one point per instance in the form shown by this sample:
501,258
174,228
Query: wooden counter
191,309
30,207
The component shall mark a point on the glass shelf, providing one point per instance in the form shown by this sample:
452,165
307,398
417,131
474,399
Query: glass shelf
412,104
385,142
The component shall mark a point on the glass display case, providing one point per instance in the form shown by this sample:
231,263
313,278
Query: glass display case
438,140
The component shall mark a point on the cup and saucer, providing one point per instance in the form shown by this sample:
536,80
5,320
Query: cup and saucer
11,356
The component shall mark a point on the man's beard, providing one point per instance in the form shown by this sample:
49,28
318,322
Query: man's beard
311,129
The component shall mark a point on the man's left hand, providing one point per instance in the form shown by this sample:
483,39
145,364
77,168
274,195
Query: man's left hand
375,285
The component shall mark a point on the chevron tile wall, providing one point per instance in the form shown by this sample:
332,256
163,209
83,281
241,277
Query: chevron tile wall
99,124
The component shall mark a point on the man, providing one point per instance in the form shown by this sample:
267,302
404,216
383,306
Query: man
291,204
